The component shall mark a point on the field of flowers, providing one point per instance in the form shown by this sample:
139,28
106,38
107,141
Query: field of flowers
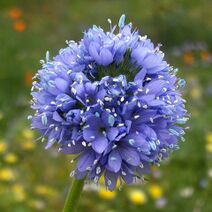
33,179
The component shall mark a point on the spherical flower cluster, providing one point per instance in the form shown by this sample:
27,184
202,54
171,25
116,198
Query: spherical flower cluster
111,99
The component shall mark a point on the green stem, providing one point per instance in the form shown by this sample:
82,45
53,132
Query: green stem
73,196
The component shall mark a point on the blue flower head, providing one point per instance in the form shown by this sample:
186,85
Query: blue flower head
113,100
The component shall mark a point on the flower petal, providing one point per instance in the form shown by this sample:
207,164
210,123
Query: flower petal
114,161
152,60
139,54
52,138
135,140
57,117
89,134
110,180
127,174
73,149
154,87
100,144
61,84
130,156
112,133
139,77
93,50
85,161
106,57
145,116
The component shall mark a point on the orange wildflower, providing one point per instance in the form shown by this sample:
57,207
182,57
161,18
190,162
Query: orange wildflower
28,78
15,13
19,26
188,58
205,56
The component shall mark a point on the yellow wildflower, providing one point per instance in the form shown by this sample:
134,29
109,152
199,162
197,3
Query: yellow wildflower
209,142
28,134
44,190
10,158
137,197
104,194
209,137
28,145
196,93
19,192
155,191
209,147
6,174
3,146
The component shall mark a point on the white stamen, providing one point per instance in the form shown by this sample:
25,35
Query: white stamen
122,99
147,91
136,116
74,91
72,173
104,133
141,165
109,182
114,146
138,104
108,99
96,179
123,173
95,162
84,143
145,106
29,117
98,170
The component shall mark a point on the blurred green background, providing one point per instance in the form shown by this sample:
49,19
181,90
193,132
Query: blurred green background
32,179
